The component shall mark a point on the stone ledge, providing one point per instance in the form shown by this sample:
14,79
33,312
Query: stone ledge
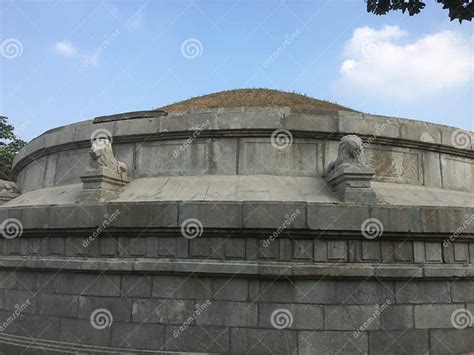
18,344
244,268
165,217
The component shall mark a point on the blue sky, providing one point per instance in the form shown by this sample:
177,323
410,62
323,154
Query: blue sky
66,61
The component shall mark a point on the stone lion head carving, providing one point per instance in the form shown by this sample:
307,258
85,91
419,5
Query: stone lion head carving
102,155
350,153
8,186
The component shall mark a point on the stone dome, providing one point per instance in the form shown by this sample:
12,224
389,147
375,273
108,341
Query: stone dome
253,98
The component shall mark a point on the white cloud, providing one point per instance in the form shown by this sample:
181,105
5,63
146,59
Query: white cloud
377,63
65,49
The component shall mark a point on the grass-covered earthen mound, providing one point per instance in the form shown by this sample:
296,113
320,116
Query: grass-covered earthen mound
254,98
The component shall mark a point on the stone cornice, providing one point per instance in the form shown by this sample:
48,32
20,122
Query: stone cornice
240,268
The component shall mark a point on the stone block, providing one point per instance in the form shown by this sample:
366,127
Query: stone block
278,291
107,246
422,291
351,317
173,158
13,299
89,284
58,305
431,169
399,342
322,217
329,342
303,249
161,311
250,117
452,341
234,248
318,122
84,131
167,247
420,131
461,252
309,317
136,286
144,215
201,247
233,314
263,341
224,289
435,315
228,215
71,164
433,252
393,219
80,331
397,317
223,157
32,326
268,250
463,290
120,308
274,215
337,250
370,251
178,287
8,279
208,339
145,126
138,336
56,246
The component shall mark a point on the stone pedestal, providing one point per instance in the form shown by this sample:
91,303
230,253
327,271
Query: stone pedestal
352,184
102,184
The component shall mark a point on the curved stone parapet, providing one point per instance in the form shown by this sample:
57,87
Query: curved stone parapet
238,141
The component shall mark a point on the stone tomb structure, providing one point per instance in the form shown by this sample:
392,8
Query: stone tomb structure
254,230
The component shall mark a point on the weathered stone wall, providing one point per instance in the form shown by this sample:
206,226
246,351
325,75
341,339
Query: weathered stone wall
414,316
